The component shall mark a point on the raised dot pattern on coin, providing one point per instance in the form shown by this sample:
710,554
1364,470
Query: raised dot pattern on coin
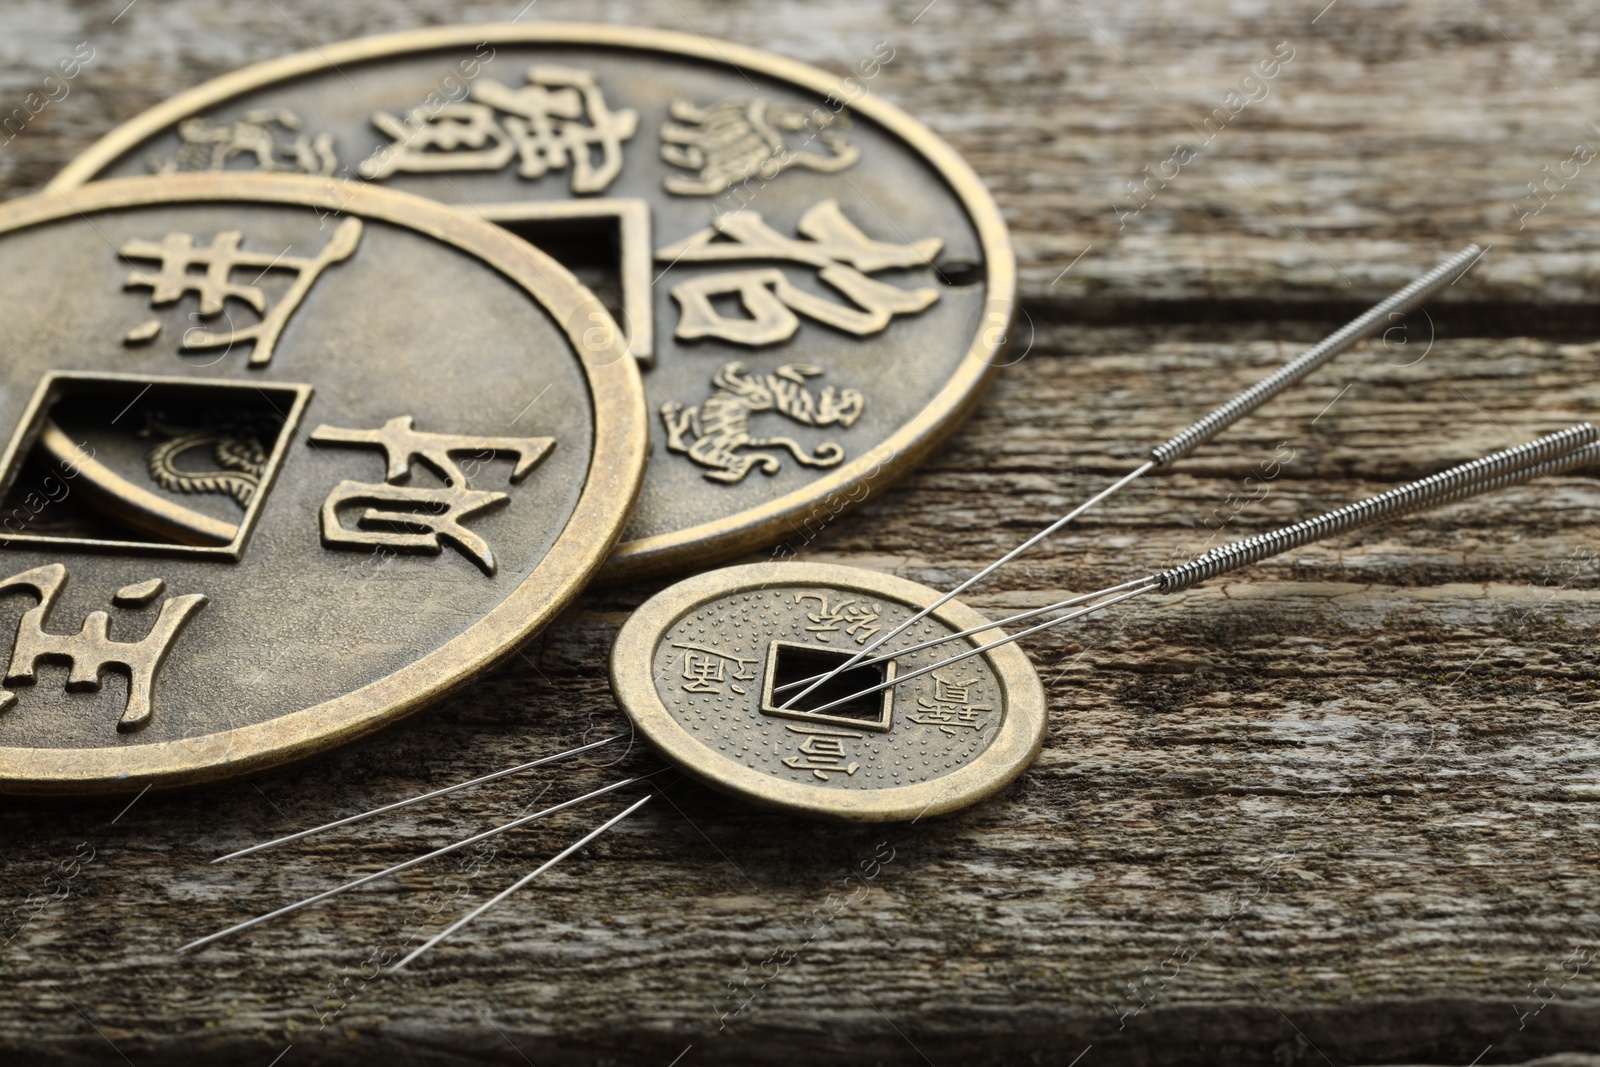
817,285
696,668
711,667
291,469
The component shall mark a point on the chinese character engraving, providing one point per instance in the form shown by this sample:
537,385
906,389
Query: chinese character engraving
705,670
951,708
716,433
91,650
822,752
841,253
560,119
857,615
417,518
210,146
223,256
952,692
742,138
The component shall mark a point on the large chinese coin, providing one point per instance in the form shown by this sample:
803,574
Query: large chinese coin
276,470
815,284
697,666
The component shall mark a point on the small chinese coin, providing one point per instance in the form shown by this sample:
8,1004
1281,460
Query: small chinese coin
701,668
276,470
815,285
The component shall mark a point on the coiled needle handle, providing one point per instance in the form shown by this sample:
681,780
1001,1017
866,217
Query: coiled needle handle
1555,453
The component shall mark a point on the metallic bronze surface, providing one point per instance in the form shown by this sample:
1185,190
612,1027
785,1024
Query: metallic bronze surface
278,469
831,282
695,666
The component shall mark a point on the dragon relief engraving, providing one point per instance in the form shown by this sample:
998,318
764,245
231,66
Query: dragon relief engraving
716,433
240,449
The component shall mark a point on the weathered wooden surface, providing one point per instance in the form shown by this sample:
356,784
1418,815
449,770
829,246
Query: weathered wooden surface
1339,808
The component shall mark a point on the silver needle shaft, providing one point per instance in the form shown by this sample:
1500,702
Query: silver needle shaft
1150,583
397,868
1553,454
1197,434
818,679
1021,616
415,800
525,879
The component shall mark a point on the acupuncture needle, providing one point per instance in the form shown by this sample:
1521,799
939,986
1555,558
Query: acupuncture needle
1552,454
1555,453
525,879
1188,440
1549,447
407,864
418,799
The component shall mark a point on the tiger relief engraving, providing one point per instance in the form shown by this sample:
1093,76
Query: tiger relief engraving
716,433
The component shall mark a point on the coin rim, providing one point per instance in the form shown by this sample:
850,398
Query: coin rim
755,527
616,471
1013,749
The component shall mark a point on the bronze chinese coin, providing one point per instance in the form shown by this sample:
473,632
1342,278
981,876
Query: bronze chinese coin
695,669
815,284
277,470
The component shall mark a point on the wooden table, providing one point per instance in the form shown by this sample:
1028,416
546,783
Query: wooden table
1340,807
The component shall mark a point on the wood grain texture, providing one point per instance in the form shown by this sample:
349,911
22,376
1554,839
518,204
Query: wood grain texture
1340,807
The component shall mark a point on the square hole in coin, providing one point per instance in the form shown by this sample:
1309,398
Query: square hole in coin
606,244
789,661
591,248
145,464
